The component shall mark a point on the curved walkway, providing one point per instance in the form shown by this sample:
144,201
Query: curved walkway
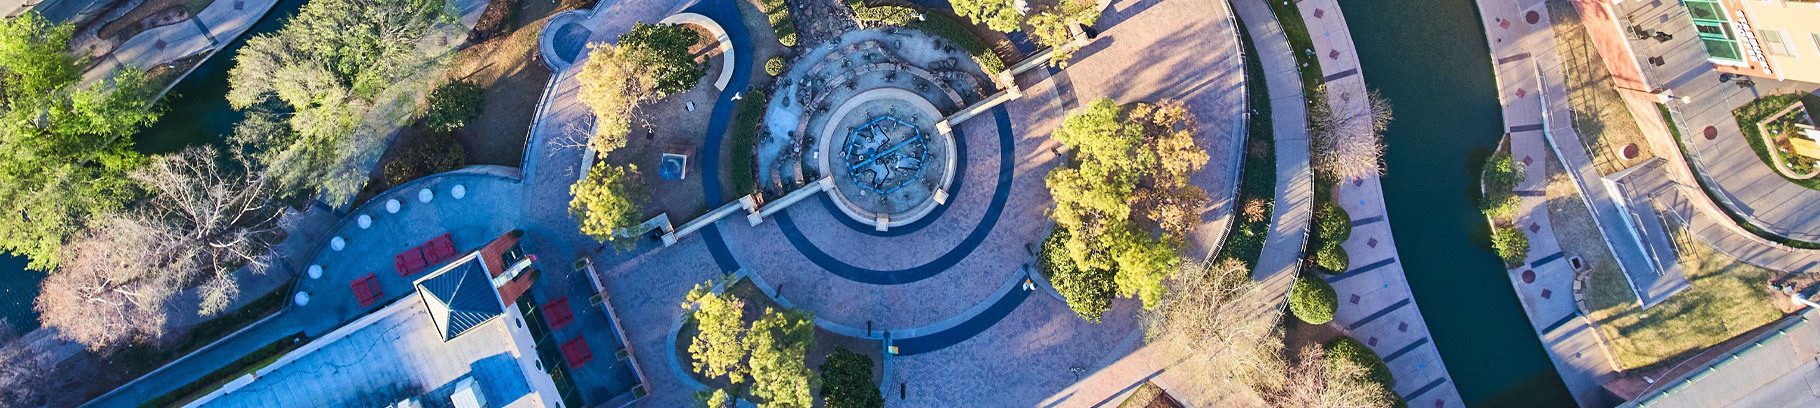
1376,304
1282,255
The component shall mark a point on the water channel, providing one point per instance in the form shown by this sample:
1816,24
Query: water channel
196,111
1429,57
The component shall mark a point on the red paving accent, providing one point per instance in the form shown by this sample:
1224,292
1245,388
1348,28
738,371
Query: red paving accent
1372,242
576,352
1534,227
1711,132
1531,17
1403,327
1529,276
1373,341
558,314
1504,23
1527,160
1522,92
1319,12
1333,55
1547,293
1355,298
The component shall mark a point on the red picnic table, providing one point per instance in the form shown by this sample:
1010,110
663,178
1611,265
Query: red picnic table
366,290
558,314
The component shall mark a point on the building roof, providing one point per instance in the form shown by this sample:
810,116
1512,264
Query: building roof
1777,369
460,296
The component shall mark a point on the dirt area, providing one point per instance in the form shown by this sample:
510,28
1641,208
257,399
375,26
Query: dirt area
825,342
1606,286
1599,114
1150,396
665,125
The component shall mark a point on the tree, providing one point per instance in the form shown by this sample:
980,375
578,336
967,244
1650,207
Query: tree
847,381
614,84
607,202
664,49
330,66
779,343
1348,141
453,105
1314,381
998,15
203,223
1054,28
1501,177
1313,300
718,398
717,347
1216,317
1125,162
67,149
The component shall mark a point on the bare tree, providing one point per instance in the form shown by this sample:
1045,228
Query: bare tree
24,375
1217,315
1314,381
203,222
1349,139
614,83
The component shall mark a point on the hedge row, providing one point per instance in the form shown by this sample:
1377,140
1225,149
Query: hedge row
1348,350
779,13
745,139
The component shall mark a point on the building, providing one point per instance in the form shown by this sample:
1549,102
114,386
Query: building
456,340
1777,39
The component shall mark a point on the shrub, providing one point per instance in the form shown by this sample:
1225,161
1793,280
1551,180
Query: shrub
1313,301
883,15
1511,244
432,153
774,66
1332,223
953,31
1346,350
452,105
1499,204
779,13
1332,258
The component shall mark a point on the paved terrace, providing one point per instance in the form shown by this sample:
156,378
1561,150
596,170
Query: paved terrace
1723,157
1719,149
1376,306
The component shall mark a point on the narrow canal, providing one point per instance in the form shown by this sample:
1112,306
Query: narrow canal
1430,59
196,111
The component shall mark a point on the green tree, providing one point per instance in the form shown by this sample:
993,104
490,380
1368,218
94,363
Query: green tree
1313,300
1125,162
452,105
664,49
779,343
1501,176
717,347
607,201
330,67
998,15
847,381
718,398
1053,29
67,149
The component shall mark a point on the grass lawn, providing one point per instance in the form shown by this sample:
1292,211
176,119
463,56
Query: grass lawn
1599,115
1758,110
1727,298
1245,238
1575,230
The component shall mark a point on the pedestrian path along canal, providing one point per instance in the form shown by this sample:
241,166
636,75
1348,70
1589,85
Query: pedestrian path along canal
1430,59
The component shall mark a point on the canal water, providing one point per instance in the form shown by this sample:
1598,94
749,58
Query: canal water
1430,58
196,111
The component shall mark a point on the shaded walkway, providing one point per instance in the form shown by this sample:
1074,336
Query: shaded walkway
1294,203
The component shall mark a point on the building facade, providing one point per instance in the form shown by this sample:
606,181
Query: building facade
1777,39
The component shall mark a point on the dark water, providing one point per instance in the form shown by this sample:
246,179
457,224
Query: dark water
196,112
1430,59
